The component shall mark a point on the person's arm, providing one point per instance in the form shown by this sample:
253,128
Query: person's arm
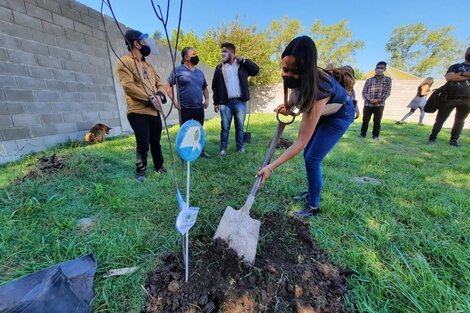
457,77
205,92
365,91
169,92
214,91
386,90
251,67
131,88
307,127
158,82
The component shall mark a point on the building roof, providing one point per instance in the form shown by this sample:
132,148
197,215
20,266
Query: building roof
394,74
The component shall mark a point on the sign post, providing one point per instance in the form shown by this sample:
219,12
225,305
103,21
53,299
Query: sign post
189,143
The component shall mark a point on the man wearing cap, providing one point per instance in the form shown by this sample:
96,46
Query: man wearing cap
193,94
144,95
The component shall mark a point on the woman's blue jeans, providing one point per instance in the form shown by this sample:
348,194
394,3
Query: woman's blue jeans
237,110
328,132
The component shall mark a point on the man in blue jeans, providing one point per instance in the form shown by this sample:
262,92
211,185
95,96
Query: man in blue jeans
231,92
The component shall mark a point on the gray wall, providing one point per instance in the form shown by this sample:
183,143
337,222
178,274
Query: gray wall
57,75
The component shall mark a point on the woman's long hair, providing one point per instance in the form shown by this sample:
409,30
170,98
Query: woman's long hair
305,52
427,81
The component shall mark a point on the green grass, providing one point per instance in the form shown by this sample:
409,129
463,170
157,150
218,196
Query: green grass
407,239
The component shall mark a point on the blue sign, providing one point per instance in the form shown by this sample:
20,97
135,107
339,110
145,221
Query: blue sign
190,140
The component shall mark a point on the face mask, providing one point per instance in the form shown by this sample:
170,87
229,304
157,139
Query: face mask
194,60
379,71
291,82
467,58
145,50
225,57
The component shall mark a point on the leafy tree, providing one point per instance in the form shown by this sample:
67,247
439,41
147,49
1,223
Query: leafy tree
157,35
334,43
281,33
418,50
249,43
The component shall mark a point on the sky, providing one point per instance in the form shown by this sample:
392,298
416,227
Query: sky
371,21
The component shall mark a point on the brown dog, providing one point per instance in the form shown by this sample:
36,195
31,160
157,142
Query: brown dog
96,133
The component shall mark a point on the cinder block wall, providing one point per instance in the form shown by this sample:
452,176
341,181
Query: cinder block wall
57,74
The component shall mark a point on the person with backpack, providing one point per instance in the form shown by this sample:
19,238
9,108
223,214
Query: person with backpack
313,92
458,98
419,101
376,90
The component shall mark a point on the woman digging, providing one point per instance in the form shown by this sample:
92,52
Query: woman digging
313,93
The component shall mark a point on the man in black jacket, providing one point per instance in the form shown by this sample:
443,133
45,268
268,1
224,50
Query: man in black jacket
458,97
231,92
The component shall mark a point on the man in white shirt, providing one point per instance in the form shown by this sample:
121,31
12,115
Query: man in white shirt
231,92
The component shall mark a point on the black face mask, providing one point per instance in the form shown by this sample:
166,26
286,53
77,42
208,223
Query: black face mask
194,60
145,50
467,58
291,82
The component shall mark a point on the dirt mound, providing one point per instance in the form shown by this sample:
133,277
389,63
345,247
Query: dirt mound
284,143
291,274
46,165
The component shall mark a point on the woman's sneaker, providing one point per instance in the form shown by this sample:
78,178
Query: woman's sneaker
307,211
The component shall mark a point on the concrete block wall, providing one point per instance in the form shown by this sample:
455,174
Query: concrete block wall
57,74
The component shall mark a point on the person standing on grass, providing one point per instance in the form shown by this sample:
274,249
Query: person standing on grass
231,92
458,98
312,91
193,93
419,101
376,90
144,93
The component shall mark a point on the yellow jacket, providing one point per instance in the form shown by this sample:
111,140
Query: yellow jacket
139,80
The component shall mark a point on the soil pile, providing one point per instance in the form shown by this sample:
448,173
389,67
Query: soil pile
46,165
284,143
291,274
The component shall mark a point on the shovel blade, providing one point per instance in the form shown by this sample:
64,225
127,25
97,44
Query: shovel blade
241,232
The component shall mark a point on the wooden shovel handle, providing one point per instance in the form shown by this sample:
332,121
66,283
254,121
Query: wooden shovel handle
269,155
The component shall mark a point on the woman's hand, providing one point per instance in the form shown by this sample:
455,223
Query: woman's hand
281,109
265,172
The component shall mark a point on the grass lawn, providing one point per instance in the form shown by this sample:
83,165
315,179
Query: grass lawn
407,239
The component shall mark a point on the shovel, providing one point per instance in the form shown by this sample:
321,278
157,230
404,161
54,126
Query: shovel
236,227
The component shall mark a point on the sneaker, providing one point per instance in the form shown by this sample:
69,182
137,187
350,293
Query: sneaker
307,211
399,123
204,154
223,152
432,141
242,150
454,143
161,170
301,196
377,138
361,136
140,178
420,124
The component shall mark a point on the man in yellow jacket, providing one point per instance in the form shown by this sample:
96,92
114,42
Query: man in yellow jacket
144,95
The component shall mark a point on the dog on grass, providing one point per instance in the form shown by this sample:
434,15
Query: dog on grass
96,133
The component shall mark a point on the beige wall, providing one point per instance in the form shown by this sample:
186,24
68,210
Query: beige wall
265,99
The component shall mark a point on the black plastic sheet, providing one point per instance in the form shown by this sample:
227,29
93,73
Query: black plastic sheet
61,288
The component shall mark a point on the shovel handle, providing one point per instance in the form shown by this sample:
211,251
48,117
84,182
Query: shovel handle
269,155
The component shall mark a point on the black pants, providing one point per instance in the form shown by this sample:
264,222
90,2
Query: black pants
366,115
462,108
192,114
147,131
